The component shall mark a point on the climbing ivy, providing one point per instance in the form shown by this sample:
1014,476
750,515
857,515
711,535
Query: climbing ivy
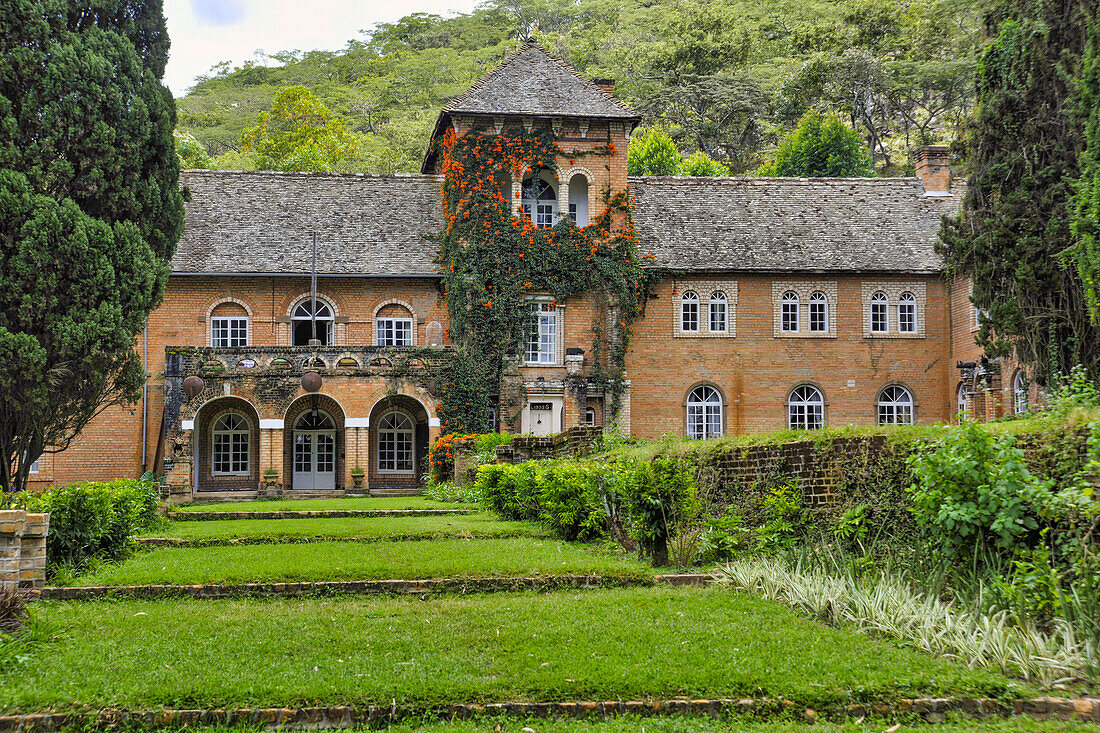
494,262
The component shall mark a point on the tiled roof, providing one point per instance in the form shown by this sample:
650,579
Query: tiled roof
789,224
262,222
532,81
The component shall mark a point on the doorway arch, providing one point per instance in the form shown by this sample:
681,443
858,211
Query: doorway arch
313,444
398,442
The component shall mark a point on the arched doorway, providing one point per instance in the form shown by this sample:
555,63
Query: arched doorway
313,444
398,443
314,452
226,446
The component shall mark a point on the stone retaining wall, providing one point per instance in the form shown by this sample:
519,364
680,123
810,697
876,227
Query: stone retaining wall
22,549
314,514
930,710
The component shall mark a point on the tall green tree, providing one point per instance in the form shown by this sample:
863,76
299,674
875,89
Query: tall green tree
1085,253
1016,219
820,146
90,213
299,133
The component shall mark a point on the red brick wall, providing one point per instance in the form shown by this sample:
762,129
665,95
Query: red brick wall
756,370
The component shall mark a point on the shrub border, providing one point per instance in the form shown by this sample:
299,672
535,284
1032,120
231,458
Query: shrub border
314,514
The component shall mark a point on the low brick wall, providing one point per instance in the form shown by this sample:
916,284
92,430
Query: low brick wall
315,514
22,549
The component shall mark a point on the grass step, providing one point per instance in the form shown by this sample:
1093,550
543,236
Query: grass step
431,586
373,716
313,514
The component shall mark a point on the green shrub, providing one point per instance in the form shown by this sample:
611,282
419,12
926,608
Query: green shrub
656,496
95,519
449,492
973,490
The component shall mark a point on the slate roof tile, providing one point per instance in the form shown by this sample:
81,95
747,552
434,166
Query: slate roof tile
789,224
262,222
532,81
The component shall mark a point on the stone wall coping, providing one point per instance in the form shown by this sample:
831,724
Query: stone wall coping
460,586
346,716
314,514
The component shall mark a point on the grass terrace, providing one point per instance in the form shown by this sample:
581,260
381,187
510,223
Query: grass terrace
524,556
338,504
463,526
645,643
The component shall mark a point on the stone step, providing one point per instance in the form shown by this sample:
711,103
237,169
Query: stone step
395,492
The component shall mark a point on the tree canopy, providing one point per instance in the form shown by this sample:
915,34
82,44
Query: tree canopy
727,78
298,133
1015,228
90,213
654,153
821,146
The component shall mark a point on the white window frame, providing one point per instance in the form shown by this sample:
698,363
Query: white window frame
386,331
880,308
396,444
228,332
790,306
326,322
704,417
907,313
962,401
34,467
589,416
233,447
719,306
689,312
543,212
542,342
1019,393
806,408
818,302
893,401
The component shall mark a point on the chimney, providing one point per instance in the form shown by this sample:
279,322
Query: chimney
608,85
933,164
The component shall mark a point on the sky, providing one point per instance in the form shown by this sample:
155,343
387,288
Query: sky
206,32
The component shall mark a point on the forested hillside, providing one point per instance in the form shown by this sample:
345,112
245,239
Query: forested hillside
728,78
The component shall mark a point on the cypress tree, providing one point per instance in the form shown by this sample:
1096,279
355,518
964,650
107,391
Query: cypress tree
90,212
1016,219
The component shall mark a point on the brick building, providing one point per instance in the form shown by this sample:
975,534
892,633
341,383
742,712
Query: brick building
781,303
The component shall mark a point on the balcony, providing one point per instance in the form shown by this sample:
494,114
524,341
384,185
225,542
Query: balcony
274,362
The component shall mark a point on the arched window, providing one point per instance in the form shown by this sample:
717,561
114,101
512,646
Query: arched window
907,313
806,409
704,413
228,325
719,311
540,200
819,312
1019,393
689,311
301,319
880,313
578,199
962,401
232,438
788,312
589,416
491,412
395,443
895,406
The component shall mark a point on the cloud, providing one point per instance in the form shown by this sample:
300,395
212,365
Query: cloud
218,12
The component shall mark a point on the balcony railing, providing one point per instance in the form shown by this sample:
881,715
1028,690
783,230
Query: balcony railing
182,361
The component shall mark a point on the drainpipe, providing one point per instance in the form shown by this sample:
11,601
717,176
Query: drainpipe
145,400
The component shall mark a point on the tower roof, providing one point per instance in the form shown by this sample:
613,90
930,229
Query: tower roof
532,81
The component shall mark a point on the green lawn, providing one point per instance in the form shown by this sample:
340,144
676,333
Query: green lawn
363,561
280,505
600,644
376,528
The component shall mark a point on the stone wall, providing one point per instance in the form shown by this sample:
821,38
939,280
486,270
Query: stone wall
575,442
22,549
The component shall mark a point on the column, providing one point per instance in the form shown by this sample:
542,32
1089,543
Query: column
12,524
32,563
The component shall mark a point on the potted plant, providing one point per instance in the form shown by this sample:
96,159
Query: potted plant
357,474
